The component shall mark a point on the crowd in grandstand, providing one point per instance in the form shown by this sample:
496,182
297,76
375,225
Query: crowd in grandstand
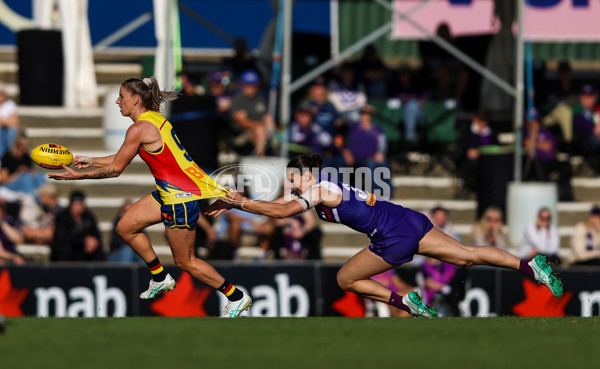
364,113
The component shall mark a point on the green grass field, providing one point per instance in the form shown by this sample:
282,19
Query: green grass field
314,343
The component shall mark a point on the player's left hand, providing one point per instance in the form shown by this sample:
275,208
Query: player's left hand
217,208
66,175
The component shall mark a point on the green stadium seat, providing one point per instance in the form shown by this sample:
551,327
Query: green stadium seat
440,123
388,115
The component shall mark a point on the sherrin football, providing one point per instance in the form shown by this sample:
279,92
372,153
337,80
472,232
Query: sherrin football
51,156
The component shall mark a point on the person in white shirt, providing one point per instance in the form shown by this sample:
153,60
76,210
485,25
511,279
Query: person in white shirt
541,237
9,121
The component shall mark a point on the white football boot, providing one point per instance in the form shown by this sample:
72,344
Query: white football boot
156,288
234,308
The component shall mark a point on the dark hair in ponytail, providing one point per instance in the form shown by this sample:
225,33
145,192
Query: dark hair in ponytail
305,163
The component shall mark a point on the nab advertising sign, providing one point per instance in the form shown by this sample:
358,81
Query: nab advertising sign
278,290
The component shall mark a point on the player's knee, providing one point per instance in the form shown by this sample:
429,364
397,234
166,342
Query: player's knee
344,282
183,263
122,229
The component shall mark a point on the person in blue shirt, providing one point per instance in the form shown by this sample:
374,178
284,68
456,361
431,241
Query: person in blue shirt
396,234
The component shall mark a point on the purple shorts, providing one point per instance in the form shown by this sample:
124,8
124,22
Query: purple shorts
398,234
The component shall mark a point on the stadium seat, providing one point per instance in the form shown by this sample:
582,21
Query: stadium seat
440,133
440,122
388,115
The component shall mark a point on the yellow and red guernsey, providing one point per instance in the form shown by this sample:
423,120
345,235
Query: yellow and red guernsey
178,178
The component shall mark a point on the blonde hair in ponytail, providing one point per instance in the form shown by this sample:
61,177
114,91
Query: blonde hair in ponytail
150,92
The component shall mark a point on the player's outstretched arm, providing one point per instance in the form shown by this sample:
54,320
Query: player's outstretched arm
118,162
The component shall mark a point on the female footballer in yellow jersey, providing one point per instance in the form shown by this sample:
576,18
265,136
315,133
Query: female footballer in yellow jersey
180,183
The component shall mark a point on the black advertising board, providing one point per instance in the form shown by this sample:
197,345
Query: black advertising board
295,289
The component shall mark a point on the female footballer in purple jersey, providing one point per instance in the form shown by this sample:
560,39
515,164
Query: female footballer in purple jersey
396,234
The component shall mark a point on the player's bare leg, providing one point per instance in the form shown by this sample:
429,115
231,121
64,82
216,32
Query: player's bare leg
142,214
182,241
439,245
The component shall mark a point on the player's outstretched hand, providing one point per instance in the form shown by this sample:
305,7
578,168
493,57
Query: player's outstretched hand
66,175
218,207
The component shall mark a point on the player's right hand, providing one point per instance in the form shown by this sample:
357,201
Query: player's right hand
82,162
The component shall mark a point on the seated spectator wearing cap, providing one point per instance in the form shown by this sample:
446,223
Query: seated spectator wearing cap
217,87
305,135
76,236
585,240
541,163
586,131
367,148
252,122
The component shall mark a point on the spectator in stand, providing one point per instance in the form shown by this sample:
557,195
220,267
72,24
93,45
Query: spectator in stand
453,279
347,93
17,173
472,138
541,237
585,241
562,89
252,121
586,121
435,281
372,72
305,135
541,163
327,117
10,236
489,231
218,88
119,250
410,92
324,113
446,68
298,237
9,121
562,97
76,236
41,230
242,60
367,148
240,222
439,217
